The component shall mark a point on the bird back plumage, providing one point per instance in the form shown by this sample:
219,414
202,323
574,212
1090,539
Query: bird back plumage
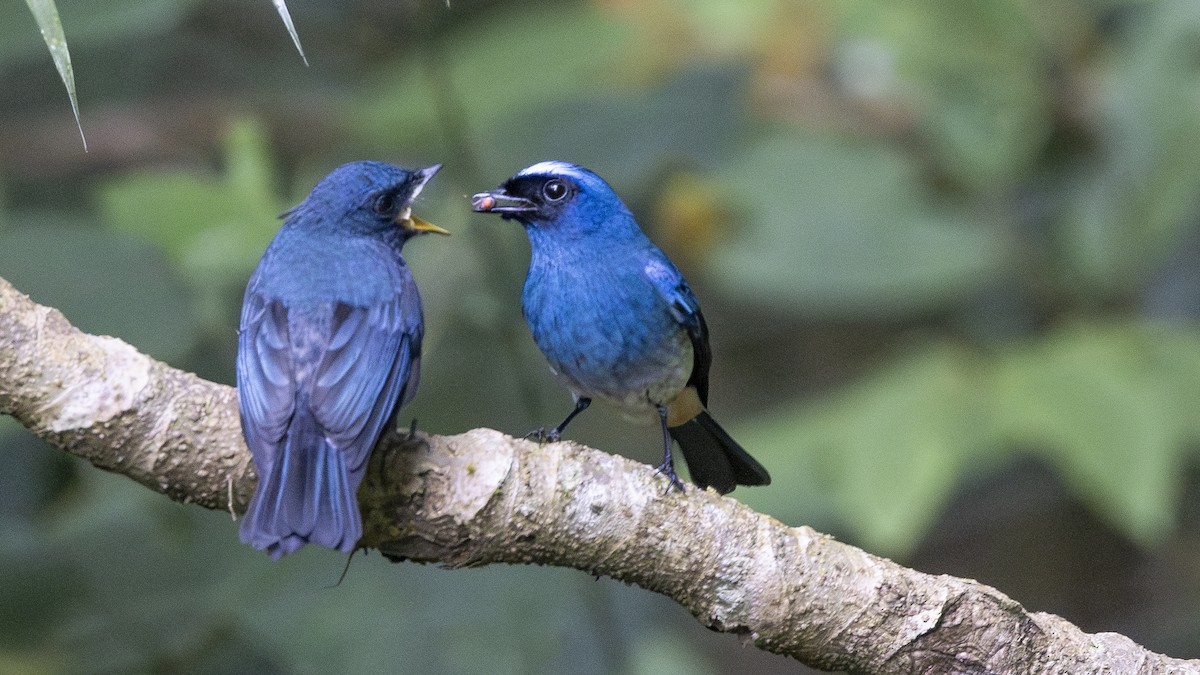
328,351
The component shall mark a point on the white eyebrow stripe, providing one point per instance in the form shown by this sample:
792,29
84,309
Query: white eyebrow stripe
553,168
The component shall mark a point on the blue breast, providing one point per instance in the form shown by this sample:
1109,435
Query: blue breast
603,327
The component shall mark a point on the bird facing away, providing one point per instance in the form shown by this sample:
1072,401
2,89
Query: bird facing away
329,350
615,318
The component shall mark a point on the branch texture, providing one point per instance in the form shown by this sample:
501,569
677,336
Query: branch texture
483,497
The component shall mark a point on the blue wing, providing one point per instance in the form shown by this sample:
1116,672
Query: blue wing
370,365
684,306
265,383
370,368
713,457
317,385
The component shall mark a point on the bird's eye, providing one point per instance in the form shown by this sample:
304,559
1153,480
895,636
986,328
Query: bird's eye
554,190
385,203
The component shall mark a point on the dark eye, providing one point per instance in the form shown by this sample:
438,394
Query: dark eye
385,203
554,190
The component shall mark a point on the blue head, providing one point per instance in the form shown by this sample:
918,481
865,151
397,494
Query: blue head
560,200
365,198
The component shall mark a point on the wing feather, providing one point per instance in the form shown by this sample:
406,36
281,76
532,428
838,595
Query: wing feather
266,390
368,369
684,306
364,373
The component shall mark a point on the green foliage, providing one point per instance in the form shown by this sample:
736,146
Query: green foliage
887,451
213,227
882,248
89,24
100,17
975,80
1130,202
1112,405
692,119
491,72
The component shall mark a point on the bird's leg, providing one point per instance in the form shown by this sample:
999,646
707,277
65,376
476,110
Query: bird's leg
667,468
554,434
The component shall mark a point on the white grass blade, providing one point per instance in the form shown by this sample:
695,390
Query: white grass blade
281,5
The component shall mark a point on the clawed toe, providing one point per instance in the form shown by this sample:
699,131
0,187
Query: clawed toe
542,436
673,480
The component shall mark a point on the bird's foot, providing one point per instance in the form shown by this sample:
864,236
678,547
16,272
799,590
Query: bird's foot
668,470
541,435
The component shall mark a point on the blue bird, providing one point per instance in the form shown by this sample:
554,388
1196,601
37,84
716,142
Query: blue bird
329,350
615,318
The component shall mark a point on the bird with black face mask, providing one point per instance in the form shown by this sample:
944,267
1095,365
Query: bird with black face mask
615,318
328,351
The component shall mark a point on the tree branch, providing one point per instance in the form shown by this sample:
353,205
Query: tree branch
483,497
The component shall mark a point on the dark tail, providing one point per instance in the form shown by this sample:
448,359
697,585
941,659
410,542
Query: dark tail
306,497
714,458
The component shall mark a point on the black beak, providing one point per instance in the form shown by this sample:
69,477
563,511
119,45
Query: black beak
502,203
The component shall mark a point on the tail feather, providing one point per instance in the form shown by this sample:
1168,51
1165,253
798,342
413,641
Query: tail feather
714,458
304,497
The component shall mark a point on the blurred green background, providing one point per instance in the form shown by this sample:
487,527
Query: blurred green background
949,253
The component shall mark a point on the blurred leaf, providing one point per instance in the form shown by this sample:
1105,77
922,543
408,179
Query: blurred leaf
214,228
281,7
129,547
46,15
105,283
1112,405
888,450
30,663
492,80
689,217
972,71
880,248
731,26
1131,204
1070,27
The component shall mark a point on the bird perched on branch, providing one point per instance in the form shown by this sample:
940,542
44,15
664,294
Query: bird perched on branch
329,350
615,318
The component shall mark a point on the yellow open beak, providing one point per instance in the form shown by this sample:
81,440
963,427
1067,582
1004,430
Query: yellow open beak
415,224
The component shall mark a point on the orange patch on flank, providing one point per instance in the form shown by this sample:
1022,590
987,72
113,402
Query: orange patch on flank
684,407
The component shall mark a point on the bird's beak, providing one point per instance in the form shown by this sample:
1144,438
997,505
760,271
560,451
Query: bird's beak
410,222
416,224
501,202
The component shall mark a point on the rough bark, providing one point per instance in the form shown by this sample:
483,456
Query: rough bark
483,497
